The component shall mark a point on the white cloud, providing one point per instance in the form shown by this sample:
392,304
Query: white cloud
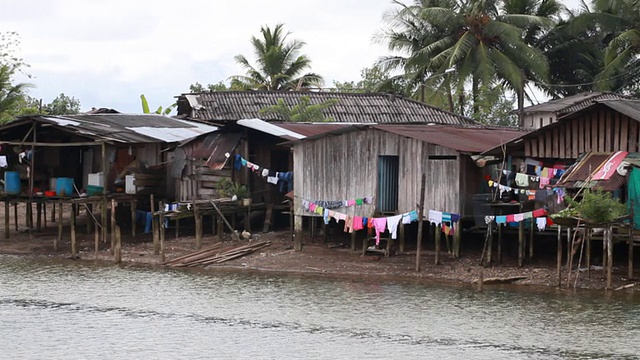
106,53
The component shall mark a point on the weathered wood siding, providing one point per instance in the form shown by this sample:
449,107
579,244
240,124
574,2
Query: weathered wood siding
345,167
602,130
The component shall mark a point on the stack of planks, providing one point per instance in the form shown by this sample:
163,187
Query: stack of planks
215,255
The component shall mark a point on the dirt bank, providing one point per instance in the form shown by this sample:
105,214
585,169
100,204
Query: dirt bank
316,258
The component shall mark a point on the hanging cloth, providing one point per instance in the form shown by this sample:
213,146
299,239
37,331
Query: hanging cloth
380,224
392,224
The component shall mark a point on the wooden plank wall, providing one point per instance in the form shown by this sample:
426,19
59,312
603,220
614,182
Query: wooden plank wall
602,130
345,167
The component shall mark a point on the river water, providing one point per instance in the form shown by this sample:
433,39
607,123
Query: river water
59,309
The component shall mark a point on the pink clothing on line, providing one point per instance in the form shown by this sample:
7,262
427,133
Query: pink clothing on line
357,223
380,224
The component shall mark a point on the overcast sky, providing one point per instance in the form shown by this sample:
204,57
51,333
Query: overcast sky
107,53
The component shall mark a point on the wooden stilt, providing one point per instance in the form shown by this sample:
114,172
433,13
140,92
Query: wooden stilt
105,180
401,241
198,221
325,234
113,225
134,205
59,238
154,229
268,218
27,215
587,238
39,216
420,220
88,210
389,246
219,227
520,243
298,232
630,242
531,235
53,214
490,244
609,239
117,251
15,214
103,219
438,239
457,238
162,232
74,251
178,228
44,213
499,254
353,238
7,219
96,239
313,228
559,257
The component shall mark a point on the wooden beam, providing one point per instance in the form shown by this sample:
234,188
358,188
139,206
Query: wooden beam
420,220
44,144
559,257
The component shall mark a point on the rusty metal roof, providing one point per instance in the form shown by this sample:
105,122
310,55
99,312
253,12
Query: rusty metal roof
222,106
120,128
572,103
472,139
212,147
313,129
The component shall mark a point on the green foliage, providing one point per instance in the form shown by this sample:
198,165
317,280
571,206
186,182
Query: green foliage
279,64
227,188
199,88
373,79
159,110
304,111
62,105
11,93
598,207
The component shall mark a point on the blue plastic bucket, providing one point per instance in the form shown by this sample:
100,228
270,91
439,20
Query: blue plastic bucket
11,182
64,187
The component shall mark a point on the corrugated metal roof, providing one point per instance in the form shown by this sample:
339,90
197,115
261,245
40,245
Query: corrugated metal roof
628,107
272,129
313,129
220,106
572,103
473,139
124,128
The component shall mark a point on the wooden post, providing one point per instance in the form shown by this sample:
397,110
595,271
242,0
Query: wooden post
401,241
117,253
88,209
499,244
59,238
198,221
39,216
162,232
44,213
73,231
438,235
559,256
154,229
353,239
219,227
53,214
15,213
105,181
531,236
457,238
133,205
490,243
325,235
520,243
420,220
609,240
96,239
313,228
7,219
113,225
587,238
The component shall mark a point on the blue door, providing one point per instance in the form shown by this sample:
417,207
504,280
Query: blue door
388,169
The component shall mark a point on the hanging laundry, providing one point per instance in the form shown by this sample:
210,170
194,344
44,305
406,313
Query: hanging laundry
265,172
413,215
357,223
325,216
522,180
272,180
351,202
348,224
341,216
541,223
488,219
501,219
312,207
518,217
237,163
510,218
319,210
435,217
368,200
380,225
446,217
392,224
365,221
528,215
359,201
286,181
544,182
406,219
539,213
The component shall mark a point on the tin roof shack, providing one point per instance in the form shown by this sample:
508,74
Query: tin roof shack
537,116
387,162
80,147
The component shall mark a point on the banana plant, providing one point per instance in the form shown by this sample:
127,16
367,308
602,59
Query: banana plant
159,111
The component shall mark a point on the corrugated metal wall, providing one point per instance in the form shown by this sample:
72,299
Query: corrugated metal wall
346,167
387,194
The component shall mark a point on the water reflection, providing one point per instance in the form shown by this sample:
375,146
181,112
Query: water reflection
100,311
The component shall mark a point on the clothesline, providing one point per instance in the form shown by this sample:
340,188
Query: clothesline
283,179
335,204
502,188
539,214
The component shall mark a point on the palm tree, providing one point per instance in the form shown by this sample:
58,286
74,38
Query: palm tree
11,95
278,64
